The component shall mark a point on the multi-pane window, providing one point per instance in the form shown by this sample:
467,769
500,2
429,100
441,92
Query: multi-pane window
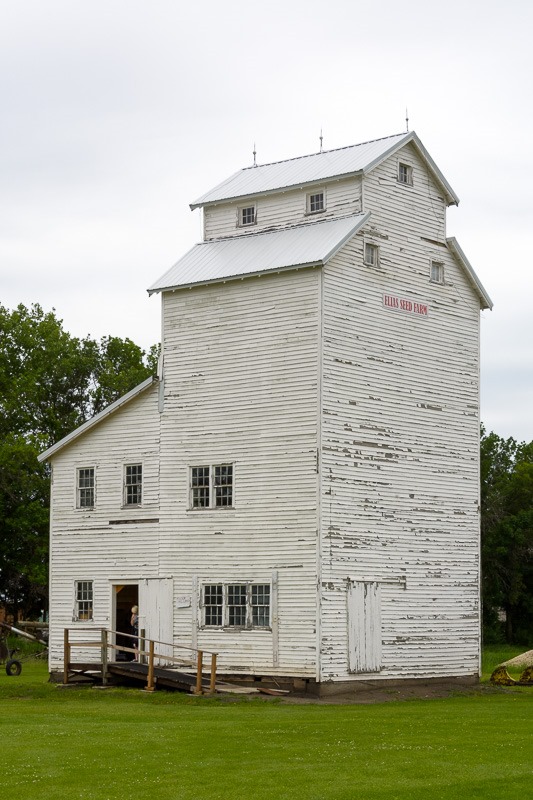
212,486
315,202
133,481
85,488
405,174
237,605
247,215
437,272
213,603
84,600
371,254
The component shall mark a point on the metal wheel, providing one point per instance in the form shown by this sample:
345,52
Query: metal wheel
13,667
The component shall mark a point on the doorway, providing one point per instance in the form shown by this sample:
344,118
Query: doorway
126,596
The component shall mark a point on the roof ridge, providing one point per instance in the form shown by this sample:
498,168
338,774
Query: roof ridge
324,152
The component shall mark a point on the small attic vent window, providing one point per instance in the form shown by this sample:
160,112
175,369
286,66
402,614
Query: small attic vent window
437,272
247,216
371,254
405,174
315,203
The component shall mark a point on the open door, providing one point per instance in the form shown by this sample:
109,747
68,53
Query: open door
126,596
156,612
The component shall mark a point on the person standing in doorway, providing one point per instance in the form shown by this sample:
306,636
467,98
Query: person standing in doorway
134,622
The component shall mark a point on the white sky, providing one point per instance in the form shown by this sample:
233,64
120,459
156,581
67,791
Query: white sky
118,113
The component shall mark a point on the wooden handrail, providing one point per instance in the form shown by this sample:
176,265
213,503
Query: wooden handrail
105,645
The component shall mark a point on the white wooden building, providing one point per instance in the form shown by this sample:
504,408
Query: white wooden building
298,490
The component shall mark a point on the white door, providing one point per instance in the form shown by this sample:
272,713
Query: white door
156,612
364,626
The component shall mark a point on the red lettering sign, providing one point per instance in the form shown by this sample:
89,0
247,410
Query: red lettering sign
403,304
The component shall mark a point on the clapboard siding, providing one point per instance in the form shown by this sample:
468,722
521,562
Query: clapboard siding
87,545
241,387
400,439
277,211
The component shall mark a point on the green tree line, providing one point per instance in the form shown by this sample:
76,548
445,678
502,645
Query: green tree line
51,382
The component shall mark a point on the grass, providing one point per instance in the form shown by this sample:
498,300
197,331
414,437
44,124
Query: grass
121,743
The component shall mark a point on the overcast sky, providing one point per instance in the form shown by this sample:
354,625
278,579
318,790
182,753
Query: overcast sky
116,114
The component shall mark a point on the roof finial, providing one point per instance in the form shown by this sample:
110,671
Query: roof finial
255,154
321,139
407,120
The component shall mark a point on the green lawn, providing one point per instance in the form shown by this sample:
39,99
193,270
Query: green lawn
116,744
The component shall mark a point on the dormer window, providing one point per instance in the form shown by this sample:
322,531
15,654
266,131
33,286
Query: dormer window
436,274
316,202
247,216
405,174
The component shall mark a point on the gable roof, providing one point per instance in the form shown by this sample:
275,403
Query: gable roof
342,162
453,245
97,418
252,254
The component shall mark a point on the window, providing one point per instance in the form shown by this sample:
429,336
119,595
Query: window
247,216
133,481
371,254
315,203
85,488
437,272
405,174
212,486
240,605
84,600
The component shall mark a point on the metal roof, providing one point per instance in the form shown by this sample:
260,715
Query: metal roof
453,244
96,419
252,254
345,161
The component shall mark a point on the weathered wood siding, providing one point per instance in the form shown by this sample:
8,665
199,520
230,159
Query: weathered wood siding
241,387
89,545
289,207
400,441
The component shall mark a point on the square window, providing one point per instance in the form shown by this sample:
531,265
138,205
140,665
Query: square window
247,216
85,488
371,254
405,174
212,486
437,272
133,485
84,600
315,203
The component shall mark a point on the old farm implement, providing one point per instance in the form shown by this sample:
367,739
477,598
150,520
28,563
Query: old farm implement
522,664
13,665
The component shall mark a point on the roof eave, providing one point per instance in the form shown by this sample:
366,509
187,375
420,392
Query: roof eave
278,190
453,244
97,419
361,220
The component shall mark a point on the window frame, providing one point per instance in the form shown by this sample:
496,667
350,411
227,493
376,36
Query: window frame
240,213
374,248
139,484
228,612
81,588
439,266
79,489
403,165
212,484
309,201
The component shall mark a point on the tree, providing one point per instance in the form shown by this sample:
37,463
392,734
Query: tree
507,536
50,382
